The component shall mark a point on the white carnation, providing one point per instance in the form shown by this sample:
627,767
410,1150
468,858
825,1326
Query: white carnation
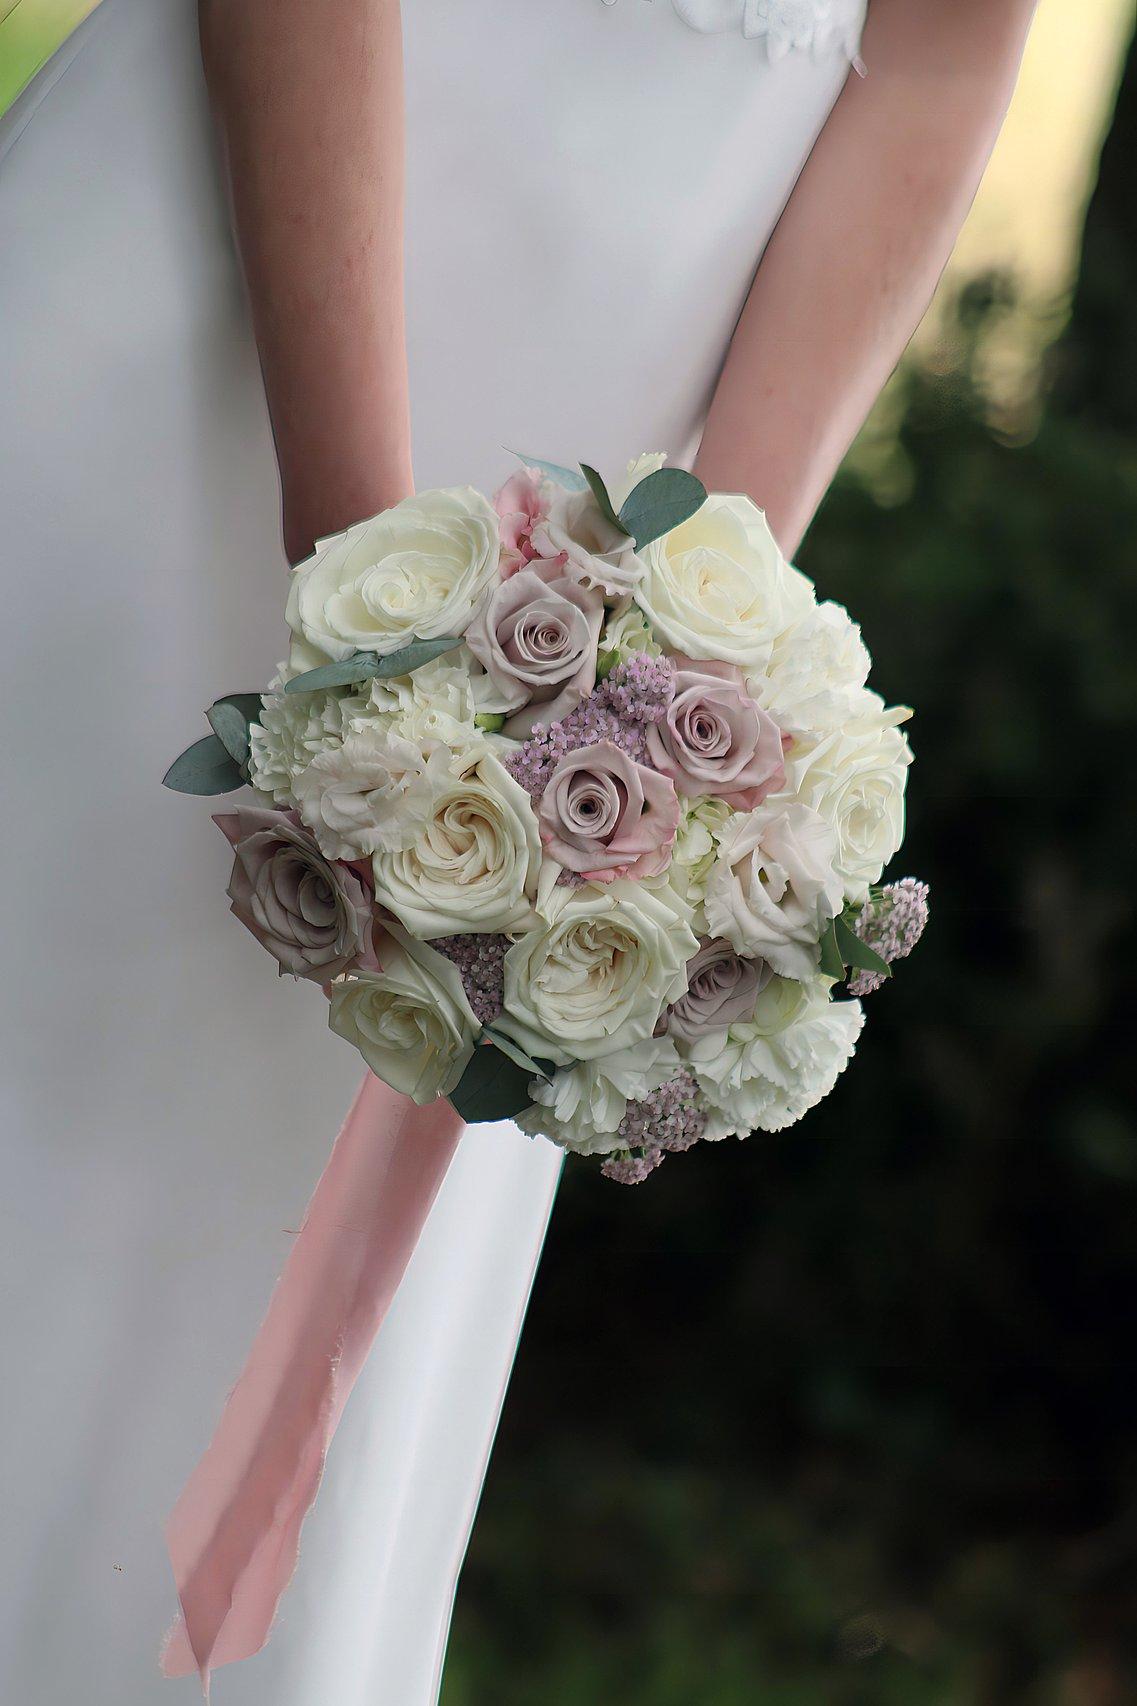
816,671
582,1105
770,1070
435,703
373,791
693,855
293,729
774,887
418,570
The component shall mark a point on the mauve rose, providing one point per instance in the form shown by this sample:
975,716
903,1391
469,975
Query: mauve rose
605,816
313,916
522,505
721,987
715,739
536,635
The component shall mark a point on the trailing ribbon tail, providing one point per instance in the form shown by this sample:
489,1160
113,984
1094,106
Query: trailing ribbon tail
234,1534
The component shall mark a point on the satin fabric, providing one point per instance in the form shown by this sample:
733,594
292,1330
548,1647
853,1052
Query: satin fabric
589,190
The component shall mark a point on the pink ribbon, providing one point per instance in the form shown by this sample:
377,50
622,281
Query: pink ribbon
234,1534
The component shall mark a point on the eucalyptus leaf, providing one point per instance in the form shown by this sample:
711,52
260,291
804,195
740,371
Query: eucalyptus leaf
832,965
517,1055
250,705
661,502
369,666
858,954
493,1087
204,768
600,493
361,666
231,727
566,477
414,655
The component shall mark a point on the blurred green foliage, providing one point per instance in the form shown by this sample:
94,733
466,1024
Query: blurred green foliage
845,1415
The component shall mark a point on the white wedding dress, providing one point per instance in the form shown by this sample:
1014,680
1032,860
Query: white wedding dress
590,187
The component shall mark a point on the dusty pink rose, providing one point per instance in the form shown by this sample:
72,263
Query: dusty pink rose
522,505
312,914
536,634
605,816
715,739
721,987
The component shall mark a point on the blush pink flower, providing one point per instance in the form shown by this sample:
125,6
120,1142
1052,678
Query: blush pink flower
604,816
715,739
521,505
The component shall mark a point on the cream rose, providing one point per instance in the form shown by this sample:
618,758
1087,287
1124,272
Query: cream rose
417,570
855,778
582,1105
410,1021
718,586
774,886
375,790
473,866
594,976
771,1070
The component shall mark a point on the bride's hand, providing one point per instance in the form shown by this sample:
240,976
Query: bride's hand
308,96
860,247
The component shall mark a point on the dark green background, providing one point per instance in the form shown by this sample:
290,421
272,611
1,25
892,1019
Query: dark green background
844,1415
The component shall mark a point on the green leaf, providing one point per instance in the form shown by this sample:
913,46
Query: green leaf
856,953
204,768
349,673
414,655
517,1055
566,477
600,493
493,1087
369,666
662,501
231,727
492,722
250,705
832,965
606,663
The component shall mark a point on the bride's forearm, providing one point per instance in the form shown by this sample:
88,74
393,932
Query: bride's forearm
309,104
859,249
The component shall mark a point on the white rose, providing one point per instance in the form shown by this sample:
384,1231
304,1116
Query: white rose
410,1021
855,777
816,671
594,976
375,790
718,587
473,866
582,1105
596,553
774,886
417,570
772,1069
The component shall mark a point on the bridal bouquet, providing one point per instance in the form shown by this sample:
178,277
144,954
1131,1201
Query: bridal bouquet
577,803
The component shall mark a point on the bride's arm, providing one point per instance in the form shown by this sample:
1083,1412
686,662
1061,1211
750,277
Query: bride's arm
857,253
309,103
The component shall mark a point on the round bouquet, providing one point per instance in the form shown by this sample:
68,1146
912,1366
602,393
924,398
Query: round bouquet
577,803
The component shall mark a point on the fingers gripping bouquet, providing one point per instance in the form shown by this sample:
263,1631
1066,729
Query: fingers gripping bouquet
577,803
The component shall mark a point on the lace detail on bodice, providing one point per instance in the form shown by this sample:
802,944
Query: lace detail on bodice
783,26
